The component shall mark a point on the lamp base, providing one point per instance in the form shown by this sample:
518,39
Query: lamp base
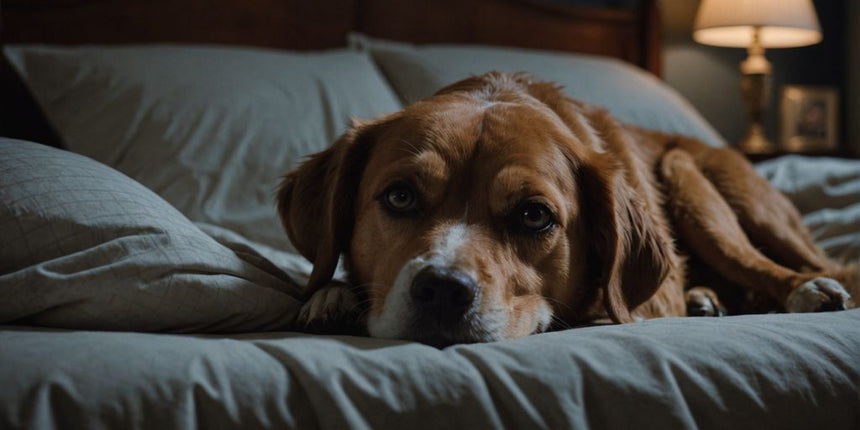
755,89
755,141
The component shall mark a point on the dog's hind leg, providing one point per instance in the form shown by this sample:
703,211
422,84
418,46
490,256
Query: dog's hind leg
769,219
712,229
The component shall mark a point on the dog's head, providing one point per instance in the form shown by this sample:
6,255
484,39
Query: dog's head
481,213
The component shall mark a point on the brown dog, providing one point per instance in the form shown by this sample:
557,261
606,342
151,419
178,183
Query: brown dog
499,206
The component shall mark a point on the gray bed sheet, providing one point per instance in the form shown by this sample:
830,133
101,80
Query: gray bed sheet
757,371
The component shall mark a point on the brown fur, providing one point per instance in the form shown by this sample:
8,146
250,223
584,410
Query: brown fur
622,197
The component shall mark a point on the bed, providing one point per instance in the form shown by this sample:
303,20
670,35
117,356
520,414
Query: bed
145,281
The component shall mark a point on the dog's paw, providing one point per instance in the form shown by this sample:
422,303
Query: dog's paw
818,295
331,310
703,302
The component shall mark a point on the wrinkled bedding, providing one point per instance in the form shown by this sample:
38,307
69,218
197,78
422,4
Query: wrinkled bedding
766,371
87,247
827,192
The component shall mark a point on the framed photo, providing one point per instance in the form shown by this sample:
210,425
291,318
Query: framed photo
809,119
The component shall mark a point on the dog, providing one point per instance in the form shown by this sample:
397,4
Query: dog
499,208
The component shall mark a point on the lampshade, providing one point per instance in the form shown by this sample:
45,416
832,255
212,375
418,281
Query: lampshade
781,23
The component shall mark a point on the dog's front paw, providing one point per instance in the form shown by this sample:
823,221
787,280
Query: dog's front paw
703,302
332,310
818,295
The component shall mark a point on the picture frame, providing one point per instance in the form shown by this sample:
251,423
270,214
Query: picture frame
809,119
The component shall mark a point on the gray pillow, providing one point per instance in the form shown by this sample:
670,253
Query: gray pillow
631,94
86,247
210,129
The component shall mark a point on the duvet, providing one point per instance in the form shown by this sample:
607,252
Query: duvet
774,371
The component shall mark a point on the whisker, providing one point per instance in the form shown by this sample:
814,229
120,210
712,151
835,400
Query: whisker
556,301
560,323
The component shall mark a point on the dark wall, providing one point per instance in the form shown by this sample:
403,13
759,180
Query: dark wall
852,55
709,77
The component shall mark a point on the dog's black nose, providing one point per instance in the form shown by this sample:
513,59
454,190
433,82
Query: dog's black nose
445,292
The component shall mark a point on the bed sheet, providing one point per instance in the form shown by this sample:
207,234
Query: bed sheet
757,371
827,192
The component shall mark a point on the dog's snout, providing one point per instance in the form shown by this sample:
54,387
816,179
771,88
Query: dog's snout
443,290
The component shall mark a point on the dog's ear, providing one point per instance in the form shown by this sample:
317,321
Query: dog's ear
631,251
316,202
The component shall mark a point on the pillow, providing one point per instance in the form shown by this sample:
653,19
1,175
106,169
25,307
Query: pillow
210,129
86,247
631,94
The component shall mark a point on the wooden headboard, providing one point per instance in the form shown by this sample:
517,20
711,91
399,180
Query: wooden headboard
628,33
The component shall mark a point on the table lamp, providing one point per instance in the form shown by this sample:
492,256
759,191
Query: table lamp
756,25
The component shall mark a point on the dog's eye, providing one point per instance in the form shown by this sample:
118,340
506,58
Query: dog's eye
400,198
535,217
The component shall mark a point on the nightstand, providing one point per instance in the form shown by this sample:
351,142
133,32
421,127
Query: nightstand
841,153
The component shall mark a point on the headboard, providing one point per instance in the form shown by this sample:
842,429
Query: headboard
629,33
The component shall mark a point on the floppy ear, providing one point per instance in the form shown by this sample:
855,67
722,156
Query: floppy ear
631,251
316,203
630,254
